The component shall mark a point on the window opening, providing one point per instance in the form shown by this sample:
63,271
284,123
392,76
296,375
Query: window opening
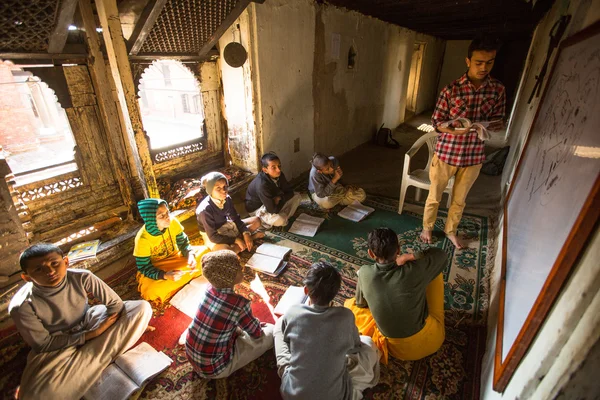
170,104
35,135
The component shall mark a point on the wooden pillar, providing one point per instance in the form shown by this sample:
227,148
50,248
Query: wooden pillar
123,78
108,108
13,237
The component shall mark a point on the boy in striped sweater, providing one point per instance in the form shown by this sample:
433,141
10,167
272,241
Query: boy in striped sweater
164,257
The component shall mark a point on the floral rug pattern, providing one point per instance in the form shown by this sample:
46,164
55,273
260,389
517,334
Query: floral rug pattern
451,373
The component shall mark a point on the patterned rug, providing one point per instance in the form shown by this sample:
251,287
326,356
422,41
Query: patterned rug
451,373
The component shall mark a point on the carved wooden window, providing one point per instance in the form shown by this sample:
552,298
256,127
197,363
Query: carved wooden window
171,108
35,134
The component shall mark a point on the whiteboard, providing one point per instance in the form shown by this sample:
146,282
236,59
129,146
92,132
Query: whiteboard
557,172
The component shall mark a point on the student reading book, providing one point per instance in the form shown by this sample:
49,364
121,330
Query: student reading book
356,212
292,296
306,225
83,251
128,373
269,259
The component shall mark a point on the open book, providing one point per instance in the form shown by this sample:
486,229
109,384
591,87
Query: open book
292,296
462,124
356,212
189,297
306,225
269,259
83,251
128,373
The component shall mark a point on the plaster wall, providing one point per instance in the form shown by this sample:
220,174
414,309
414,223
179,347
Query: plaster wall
283,71
238,98
352,103
430,72
454,62
569,330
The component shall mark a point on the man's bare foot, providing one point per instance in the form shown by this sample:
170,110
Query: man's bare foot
456,241
426,236
258,235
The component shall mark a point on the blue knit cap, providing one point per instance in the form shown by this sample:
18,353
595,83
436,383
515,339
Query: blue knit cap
148,209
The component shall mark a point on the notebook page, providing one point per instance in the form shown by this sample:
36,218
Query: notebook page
261,262
142,362
113,384
293,295
273,250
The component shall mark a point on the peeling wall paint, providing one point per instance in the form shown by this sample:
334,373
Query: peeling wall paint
238,98
285,50
307,92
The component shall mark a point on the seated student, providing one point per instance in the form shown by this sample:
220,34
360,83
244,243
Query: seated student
405,298
219,222
324,184
269,196
164,257
320,354
224,336
71,342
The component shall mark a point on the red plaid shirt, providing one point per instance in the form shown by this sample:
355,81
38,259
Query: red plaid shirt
460,99
211,336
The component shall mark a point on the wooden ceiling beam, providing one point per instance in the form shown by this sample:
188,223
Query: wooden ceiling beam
230,19
144,25
58,37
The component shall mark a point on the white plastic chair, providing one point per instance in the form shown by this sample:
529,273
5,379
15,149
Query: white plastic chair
419,178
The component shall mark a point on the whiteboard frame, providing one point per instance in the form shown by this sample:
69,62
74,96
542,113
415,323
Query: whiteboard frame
574,244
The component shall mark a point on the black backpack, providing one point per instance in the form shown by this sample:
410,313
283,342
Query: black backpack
383,137
494,163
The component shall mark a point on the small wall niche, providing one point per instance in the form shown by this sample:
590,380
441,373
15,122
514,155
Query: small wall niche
351,58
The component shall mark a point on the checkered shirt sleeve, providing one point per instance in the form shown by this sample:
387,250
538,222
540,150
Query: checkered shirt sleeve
212,335
460,99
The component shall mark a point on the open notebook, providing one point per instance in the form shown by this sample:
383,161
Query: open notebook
306,225
189,297
128,374
269,259
292,296
356,212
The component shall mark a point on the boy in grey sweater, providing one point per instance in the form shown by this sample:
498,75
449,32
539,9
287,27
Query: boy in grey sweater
320,354
71,342
325,187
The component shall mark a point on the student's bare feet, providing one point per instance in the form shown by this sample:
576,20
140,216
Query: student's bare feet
258,235
456,241
426,236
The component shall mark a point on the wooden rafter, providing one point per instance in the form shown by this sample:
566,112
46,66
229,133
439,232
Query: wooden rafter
58,37
233,15
144,25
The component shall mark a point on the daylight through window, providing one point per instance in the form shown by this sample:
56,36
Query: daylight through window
171,104
35,136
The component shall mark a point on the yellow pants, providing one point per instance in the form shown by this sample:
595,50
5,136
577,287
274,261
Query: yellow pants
423,343
163,289
439,175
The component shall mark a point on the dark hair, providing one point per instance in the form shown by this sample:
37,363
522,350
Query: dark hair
323,282
38,250
483,43
383,242
270,156
319,161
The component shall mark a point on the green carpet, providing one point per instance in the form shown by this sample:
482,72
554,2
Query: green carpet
344,243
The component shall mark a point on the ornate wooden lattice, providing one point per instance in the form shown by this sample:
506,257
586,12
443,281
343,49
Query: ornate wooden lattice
26,25
37,190
179,151
184,26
